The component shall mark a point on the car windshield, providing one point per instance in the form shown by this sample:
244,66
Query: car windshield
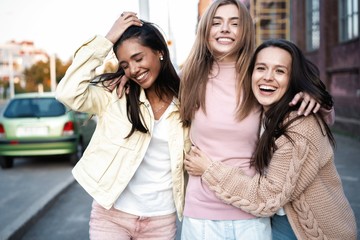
34,107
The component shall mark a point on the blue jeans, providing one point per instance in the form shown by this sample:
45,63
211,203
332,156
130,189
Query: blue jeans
281,228
201,229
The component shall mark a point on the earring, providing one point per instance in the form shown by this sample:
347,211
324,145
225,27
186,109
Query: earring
161,58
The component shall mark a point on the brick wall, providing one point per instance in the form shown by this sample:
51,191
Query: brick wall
339,63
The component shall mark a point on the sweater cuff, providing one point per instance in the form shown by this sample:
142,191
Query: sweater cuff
215,173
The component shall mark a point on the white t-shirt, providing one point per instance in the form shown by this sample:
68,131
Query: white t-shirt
149,192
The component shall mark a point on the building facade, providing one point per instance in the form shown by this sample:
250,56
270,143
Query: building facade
328,33
15,57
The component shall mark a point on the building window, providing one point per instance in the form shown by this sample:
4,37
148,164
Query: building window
312,24
349,19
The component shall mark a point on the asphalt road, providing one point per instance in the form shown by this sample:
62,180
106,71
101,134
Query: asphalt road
68,217
27,190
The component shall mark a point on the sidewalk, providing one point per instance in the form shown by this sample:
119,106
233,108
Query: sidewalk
29,203
26,192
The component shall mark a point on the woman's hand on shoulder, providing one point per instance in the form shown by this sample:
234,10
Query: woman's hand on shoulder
125,20
308,103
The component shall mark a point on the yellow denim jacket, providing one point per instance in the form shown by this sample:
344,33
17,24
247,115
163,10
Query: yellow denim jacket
110,160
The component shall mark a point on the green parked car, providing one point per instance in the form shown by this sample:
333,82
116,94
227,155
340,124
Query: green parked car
36,124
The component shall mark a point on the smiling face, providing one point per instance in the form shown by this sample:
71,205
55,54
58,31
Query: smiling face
224,31
271,75
141,64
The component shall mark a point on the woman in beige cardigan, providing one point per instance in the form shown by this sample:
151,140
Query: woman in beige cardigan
297,181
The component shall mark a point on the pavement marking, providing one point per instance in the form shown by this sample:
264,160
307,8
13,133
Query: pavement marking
349,178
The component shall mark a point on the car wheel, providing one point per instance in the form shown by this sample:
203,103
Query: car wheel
75,157
6,162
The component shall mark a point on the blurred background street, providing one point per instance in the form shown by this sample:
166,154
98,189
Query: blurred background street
39,198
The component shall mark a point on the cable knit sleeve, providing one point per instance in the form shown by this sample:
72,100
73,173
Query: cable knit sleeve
292,168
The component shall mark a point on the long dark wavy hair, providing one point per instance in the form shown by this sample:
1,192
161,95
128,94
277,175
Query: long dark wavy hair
167,83
304,77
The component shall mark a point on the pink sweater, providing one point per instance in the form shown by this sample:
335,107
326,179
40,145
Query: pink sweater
223,139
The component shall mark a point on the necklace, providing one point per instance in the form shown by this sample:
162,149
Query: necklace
161,107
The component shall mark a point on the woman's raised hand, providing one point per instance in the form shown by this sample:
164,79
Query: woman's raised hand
125,20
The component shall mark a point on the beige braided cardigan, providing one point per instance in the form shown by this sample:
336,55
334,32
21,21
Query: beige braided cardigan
302,178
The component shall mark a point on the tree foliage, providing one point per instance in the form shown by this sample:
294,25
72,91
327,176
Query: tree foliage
110,67
39,74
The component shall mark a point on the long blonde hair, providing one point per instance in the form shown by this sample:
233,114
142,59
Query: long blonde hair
196,69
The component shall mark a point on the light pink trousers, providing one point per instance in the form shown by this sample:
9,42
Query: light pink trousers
114,224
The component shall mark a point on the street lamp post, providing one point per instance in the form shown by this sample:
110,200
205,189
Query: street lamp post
52,72
11,75
144,9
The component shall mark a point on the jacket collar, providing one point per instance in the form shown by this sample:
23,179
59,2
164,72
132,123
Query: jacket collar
143,98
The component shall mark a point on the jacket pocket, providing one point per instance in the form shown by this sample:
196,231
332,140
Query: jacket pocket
107,156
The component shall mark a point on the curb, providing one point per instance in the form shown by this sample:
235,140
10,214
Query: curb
17,228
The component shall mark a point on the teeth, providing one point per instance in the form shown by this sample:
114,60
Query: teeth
225,39
267,88
141,76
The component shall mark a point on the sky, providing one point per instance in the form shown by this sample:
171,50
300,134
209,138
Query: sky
60,26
